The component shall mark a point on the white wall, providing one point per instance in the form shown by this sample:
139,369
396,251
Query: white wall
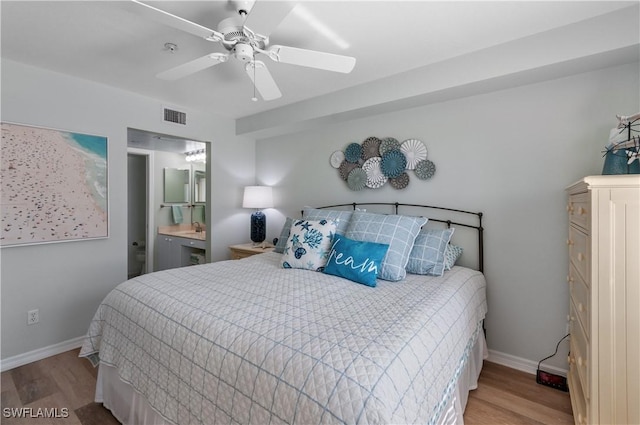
67,281
509,154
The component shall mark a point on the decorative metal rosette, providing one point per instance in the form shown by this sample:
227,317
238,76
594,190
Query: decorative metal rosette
336,159
370,148
400,182
393,163
415,151
357,179
375,177
387,144
353,152
425,169
377,160
345,168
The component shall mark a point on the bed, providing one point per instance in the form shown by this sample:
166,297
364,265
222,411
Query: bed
251,341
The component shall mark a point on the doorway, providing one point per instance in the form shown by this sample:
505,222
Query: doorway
148,155
140,220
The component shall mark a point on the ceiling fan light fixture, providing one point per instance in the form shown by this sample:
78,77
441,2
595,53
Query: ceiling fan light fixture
243,52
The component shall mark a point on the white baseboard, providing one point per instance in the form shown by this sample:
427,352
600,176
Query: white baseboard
40,353
519,363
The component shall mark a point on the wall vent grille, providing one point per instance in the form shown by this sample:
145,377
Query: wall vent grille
174,116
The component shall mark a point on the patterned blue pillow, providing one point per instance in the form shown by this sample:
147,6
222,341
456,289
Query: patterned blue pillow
398,231
308,245
284,236
427,255
340,218
451,256
355,260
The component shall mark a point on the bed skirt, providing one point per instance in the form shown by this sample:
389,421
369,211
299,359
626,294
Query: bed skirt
131,408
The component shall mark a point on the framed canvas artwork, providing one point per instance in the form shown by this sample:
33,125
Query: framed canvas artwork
53,185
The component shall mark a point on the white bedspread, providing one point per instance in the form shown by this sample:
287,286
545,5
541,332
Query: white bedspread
247,341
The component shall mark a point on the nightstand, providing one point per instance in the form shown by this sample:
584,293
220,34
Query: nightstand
247,250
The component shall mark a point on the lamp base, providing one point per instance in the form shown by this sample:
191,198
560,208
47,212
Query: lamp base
258,227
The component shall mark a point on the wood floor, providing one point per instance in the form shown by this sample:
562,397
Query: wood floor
63,386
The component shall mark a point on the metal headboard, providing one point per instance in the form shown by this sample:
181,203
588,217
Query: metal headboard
397,206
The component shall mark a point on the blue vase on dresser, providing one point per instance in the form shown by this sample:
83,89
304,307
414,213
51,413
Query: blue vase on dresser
616,163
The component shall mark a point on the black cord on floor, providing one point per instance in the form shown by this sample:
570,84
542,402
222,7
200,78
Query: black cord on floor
556,352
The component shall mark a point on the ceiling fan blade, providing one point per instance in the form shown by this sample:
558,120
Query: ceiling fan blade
263,80
265,16
312,58
174,21
193,66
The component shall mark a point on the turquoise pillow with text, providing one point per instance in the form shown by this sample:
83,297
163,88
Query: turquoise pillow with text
355,260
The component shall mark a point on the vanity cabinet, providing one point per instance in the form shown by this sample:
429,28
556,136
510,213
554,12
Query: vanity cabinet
174,251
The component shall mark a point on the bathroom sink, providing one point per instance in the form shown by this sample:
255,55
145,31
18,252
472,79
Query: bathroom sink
182,231
191,234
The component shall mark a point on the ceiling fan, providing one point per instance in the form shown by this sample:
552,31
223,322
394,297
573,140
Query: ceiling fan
243,44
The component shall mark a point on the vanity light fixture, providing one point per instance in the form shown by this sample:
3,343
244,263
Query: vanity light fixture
196,156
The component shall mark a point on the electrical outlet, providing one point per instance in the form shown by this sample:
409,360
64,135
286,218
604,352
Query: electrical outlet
33,317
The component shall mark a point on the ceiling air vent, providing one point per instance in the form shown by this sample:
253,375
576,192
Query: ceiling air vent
177,117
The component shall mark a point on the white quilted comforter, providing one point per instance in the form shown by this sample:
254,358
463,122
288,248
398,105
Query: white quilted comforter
247,341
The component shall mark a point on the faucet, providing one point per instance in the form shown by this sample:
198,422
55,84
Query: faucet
198,226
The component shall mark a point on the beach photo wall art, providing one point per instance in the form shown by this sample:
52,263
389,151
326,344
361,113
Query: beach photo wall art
53,185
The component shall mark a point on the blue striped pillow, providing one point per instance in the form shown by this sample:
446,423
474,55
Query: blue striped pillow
284,236
428,253
451,255
397,231
340,218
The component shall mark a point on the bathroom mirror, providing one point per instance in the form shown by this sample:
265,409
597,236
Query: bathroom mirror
199,186
176,185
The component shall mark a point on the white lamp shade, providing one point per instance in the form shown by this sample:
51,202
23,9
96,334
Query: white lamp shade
257,197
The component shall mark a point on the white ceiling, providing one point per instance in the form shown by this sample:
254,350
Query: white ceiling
104,41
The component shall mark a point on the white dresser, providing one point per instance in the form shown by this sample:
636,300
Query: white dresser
604,310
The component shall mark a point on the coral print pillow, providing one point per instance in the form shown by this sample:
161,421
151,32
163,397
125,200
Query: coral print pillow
308,244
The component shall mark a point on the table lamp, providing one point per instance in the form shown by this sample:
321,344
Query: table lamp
258,197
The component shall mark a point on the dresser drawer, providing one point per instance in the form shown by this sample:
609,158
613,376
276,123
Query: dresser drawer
579,252
578,356
579,209
578,401
580,296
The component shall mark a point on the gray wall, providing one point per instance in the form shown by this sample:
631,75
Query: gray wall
510,154
67,281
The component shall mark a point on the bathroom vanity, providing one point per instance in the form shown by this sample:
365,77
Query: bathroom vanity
179,246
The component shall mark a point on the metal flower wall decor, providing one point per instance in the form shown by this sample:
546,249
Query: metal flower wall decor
375,162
